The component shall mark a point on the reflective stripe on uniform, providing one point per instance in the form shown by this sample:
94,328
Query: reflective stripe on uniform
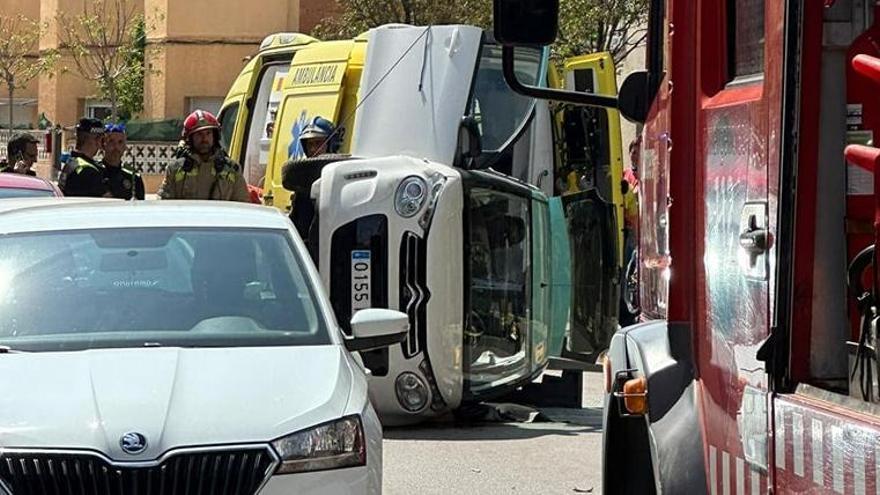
83,164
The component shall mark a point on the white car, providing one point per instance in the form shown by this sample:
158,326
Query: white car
177,347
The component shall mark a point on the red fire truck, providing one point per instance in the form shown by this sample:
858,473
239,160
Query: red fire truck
745,375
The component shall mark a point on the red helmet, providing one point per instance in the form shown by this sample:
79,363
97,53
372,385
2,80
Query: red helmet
200,120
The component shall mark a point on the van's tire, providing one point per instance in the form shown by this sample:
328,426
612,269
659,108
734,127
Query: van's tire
301,173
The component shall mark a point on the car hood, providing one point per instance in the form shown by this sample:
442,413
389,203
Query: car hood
174,397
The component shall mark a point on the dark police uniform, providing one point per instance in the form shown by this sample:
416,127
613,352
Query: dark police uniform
82,176
123,183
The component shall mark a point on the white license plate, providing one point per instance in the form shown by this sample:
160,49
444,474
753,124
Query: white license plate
360,280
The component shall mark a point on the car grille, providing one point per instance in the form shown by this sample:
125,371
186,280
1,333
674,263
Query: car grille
414,294
369,233
232,472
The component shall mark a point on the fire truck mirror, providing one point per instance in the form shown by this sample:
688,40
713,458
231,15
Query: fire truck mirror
634,98
526,22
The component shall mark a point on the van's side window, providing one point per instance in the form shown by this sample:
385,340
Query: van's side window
745,38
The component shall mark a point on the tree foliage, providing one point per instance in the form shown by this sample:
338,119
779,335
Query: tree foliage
589,26
20,61
106,43
357,16
585,26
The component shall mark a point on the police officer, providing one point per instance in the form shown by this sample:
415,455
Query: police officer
121,182
82,175
319,137
21,153
202,169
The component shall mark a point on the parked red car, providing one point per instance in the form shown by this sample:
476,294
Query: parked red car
25,186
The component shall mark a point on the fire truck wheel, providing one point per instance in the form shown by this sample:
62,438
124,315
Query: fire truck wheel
627,449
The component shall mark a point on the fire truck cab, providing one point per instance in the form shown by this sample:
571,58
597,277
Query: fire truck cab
746,374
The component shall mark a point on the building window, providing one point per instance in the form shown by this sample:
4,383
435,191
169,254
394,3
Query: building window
98,109
745,38
207,103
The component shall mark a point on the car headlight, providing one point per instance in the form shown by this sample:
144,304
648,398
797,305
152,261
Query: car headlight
334,445
435,185
412,393
410,196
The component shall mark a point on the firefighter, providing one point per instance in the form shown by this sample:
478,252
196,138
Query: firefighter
121,182
202,169
82,175
22,153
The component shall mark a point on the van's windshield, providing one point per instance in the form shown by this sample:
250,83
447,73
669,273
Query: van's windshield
79,290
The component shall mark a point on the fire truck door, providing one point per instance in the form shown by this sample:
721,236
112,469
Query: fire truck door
738,122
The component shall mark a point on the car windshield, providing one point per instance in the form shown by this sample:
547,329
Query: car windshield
500,111
17,192
226,287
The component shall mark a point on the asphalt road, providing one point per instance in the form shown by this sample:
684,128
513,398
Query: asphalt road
557,454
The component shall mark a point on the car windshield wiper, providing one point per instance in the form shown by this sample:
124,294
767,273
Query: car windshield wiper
5,349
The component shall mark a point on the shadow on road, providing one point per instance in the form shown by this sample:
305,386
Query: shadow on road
504,422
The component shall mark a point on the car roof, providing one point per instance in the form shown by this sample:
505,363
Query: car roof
55,214
21,181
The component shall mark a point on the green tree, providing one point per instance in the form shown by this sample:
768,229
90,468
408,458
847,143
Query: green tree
131,85
585,26
106,43
590,26
20,62
357,16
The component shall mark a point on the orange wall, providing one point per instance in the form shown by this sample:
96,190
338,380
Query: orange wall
195,48
190,71
228,19
31,10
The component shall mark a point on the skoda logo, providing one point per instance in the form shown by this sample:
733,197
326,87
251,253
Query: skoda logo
133,443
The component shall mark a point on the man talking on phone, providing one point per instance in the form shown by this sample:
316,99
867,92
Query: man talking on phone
21,153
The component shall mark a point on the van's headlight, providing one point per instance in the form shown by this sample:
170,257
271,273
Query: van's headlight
334,445
410,196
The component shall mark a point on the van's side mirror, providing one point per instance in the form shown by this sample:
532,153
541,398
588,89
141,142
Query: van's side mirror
526,22
470,145
377,328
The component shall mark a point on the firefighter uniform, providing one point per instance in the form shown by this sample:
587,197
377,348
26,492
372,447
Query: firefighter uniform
82,176
123,183
193,177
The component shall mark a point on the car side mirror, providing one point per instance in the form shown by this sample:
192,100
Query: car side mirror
526,22
377,328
